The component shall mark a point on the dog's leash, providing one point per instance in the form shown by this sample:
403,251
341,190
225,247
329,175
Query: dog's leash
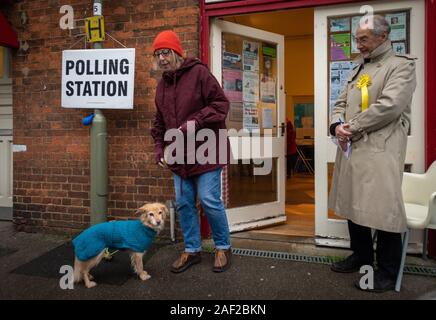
107,255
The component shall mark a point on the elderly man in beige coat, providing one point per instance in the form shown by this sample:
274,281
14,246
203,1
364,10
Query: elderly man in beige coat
373,113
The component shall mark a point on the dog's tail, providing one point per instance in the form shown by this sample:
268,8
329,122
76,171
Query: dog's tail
77,271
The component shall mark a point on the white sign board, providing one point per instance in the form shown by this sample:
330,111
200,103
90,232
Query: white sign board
98,78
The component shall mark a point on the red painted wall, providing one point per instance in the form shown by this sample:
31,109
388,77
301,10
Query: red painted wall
431,100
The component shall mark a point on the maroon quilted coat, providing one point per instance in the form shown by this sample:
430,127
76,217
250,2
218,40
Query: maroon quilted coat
190,93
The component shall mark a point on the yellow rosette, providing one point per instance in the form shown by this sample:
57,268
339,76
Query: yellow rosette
363,83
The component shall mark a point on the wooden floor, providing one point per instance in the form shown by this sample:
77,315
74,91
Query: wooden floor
300,209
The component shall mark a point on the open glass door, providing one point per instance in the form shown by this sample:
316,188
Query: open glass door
334,52
249,64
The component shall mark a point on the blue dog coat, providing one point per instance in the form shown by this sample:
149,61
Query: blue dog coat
130,234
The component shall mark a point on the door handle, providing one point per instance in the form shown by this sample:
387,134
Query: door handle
282,129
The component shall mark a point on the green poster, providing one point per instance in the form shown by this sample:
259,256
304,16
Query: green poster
340,46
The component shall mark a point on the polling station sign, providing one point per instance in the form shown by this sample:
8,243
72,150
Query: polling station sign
98,78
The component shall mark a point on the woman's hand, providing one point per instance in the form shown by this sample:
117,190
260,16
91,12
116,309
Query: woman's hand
162,163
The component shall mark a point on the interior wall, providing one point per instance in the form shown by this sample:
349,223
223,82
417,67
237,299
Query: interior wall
299,69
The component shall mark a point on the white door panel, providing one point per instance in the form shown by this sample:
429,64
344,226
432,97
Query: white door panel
5,171
5,136
266,212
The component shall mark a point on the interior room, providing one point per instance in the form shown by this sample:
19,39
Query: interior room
297,26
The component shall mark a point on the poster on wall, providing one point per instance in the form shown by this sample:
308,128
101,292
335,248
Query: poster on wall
232,61
251,117
340,47
339,72
399,47
269,51
251,86
267,89
235,114
267,82
397,22
303,115
340,25
267,118
232,84
250,54
355,21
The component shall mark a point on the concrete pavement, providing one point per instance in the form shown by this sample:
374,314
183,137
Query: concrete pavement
248,278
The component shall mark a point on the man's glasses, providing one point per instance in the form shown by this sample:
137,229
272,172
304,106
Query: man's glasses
164,52
363,40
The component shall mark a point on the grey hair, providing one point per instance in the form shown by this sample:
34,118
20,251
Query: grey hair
379,24
177,58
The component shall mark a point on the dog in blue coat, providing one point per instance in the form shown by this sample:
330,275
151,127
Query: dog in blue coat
134,235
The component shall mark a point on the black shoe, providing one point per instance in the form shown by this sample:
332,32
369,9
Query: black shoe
382,283
350,264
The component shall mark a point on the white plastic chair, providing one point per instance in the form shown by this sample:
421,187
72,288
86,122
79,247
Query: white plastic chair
419,196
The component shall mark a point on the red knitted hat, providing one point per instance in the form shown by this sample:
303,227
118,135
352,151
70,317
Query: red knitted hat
168,40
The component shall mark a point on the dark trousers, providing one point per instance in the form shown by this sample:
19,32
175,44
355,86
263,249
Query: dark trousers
291,160
388,253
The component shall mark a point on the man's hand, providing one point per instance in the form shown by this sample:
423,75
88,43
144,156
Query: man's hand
343,145
343,135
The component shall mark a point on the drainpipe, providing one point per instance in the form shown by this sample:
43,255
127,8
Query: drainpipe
99,175
172,209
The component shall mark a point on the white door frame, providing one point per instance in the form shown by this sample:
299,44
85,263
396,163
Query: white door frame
5,138
263,214
326,228
5,172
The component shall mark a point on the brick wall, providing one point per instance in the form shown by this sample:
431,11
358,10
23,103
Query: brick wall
51,179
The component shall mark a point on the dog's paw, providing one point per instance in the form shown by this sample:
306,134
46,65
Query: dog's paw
144,276
91,284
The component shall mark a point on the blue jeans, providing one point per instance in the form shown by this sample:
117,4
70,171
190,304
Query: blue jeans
208,190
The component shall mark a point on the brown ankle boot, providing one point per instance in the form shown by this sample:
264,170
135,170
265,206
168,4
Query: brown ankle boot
185,261
222,260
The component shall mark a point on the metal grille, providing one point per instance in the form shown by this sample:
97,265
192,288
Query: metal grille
409,269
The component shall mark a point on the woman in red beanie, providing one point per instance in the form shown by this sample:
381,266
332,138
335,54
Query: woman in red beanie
189,97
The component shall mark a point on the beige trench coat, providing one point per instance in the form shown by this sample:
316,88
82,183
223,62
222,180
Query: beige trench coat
366,188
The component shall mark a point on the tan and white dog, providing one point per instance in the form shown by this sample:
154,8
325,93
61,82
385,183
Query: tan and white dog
134,235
